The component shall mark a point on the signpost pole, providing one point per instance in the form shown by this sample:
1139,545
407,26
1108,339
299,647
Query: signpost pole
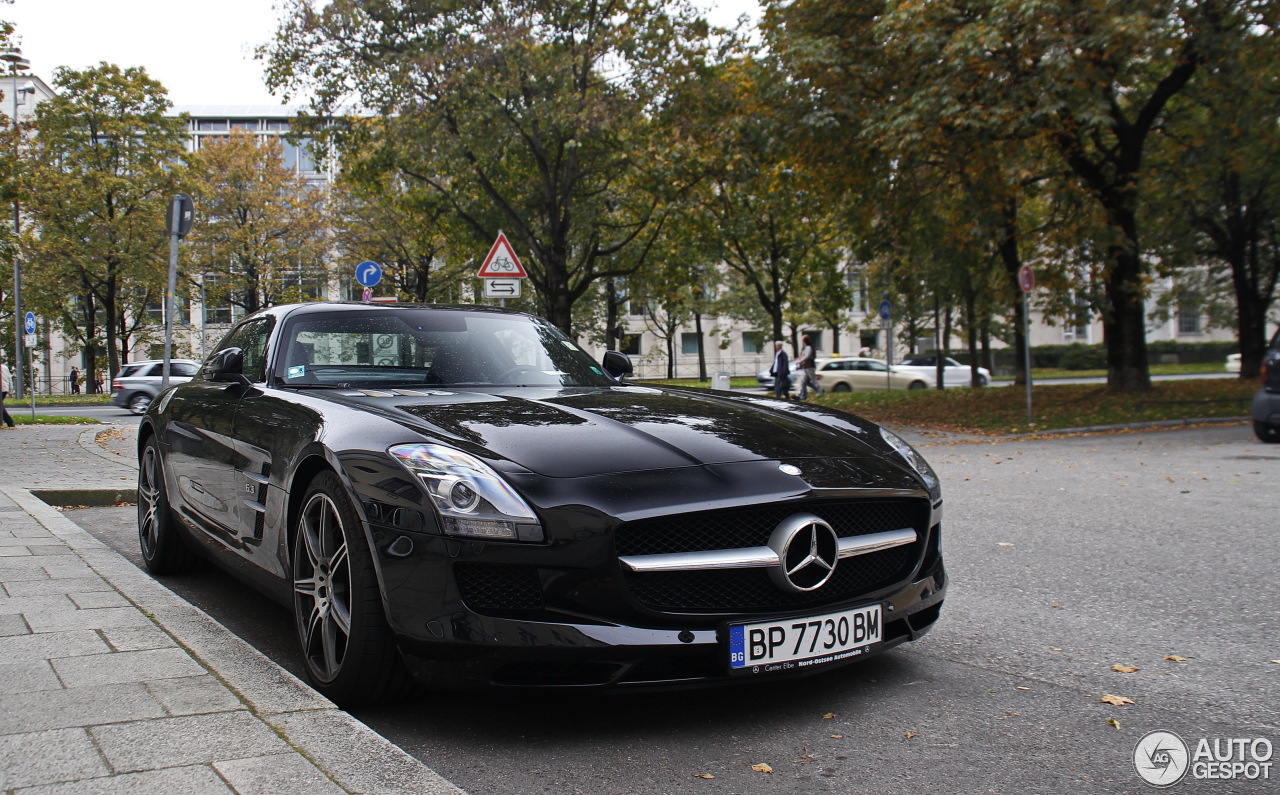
30,328
1027,281
182,213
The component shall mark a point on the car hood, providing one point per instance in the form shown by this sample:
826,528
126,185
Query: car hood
580,432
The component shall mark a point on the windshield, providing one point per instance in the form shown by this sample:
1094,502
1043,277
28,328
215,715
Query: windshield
431,347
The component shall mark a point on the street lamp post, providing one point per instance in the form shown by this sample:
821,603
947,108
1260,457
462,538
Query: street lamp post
16,63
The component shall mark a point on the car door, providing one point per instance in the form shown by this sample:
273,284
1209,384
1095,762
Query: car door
201,453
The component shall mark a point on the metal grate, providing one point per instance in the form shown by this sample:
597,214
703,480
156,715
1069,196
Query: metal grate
490,587
751,589
750,527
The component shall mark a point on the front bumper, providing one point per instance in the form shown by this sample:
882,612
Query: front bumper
477,651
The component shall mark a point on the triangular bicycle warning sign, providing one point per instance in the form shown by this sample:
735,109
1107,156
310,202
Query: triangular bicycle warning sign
502,262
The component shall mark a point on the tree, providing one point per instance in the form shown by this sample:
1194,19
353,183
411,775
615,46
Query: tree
261,238
1217,191
539,118
103,163
408,232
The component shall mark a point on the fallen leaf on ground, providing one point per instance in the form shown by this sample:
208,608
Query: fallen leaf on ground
1176,658
707,776
761,767
1113,722
837,736
1119,701
1277,662
910,735
1020,687
1004,543
828,716
1124,669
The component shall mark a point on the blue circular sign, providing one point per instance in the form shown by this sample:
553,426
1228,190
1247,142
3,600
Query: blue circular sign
885,306
368,273
29,323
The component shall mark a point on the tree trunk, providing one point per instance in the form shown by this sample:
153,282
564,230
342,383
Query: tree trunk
702,354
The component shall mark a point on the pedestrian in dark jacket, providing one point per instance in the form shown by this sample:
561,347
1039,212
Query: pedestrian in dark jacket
781,372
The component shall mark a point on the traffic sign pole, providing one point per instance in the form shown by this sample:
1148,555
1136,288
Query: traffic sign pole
1027,281
29,327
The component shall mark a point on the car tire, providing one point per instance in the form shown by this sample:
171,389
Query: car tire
983,380
347,647
1266,431
164,548
138,403
917,385
841,387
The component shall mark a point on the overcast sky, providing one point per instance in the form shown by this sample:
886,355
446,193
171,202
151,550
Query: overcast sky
201,51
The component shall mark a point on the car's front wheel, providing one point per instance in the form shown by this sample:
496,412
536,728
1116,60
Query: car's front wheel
917,385
841,387
138,403
1266,431
164,551
348,649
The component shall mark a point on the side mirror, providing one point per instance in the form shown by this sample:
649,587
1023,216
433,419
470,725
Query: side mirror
617,364
226,365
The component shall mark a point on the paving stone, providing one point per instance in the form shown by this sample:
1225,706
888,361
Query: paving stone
45,586
47,645
13,624
149,744
62,570
64,620
49,549
80,706
280,774
26,677
194,695
138,638
46,757
126,666
190,780
94,600
13,552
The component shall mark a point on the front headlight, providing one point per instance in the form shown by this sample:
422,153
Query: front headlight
916,461
472,499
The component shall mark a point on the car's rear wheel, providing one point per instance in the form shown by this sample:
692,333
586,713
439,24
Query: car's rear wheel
983,380
164,550
139,402
1266,431
841,387
348,649
918,385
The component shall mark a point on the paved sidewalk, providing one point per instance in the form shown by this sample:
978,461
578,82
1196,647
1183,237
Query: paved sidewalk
110,683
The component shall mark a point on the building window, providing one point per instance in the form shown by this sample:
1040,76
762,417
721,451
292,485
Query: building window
753,342
211,124
244,124
869,340
816,336
689,343
1188,321
629,344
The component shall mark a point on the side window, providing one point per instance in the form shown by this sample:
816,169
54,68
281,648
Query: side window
182,368
252,339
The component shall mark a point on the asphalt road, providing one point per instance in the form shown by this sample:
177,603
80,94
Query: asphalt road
1067,556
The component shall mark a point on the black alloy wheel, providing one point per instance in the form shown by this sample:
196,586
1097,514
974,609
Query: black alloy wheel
841,387
164,550
1266,432
917,385
348,649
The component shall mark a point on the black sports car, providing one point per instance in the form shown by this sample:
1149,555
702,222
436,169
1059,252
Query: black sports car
464,495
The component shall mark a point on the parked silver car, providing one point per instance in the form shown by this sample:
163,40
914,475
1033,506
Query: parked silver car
137,383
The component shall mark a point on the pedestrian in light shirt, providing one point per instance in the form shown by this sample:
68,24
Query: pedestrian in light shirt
6,383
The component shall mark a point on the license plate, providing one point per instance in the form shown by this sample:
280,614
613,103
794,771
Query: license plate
767,646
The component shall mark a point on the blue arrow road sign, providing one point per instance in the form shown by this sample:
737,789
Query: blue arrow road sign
885,306
29,323
368,273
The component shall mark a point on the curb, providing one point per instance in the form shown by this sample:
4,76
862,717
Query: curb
349,753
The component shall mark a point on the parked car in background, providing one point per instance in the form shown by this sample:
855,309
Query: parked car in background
765,378
1233,363
137,383
861,374
1266,401
464,495
954,373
